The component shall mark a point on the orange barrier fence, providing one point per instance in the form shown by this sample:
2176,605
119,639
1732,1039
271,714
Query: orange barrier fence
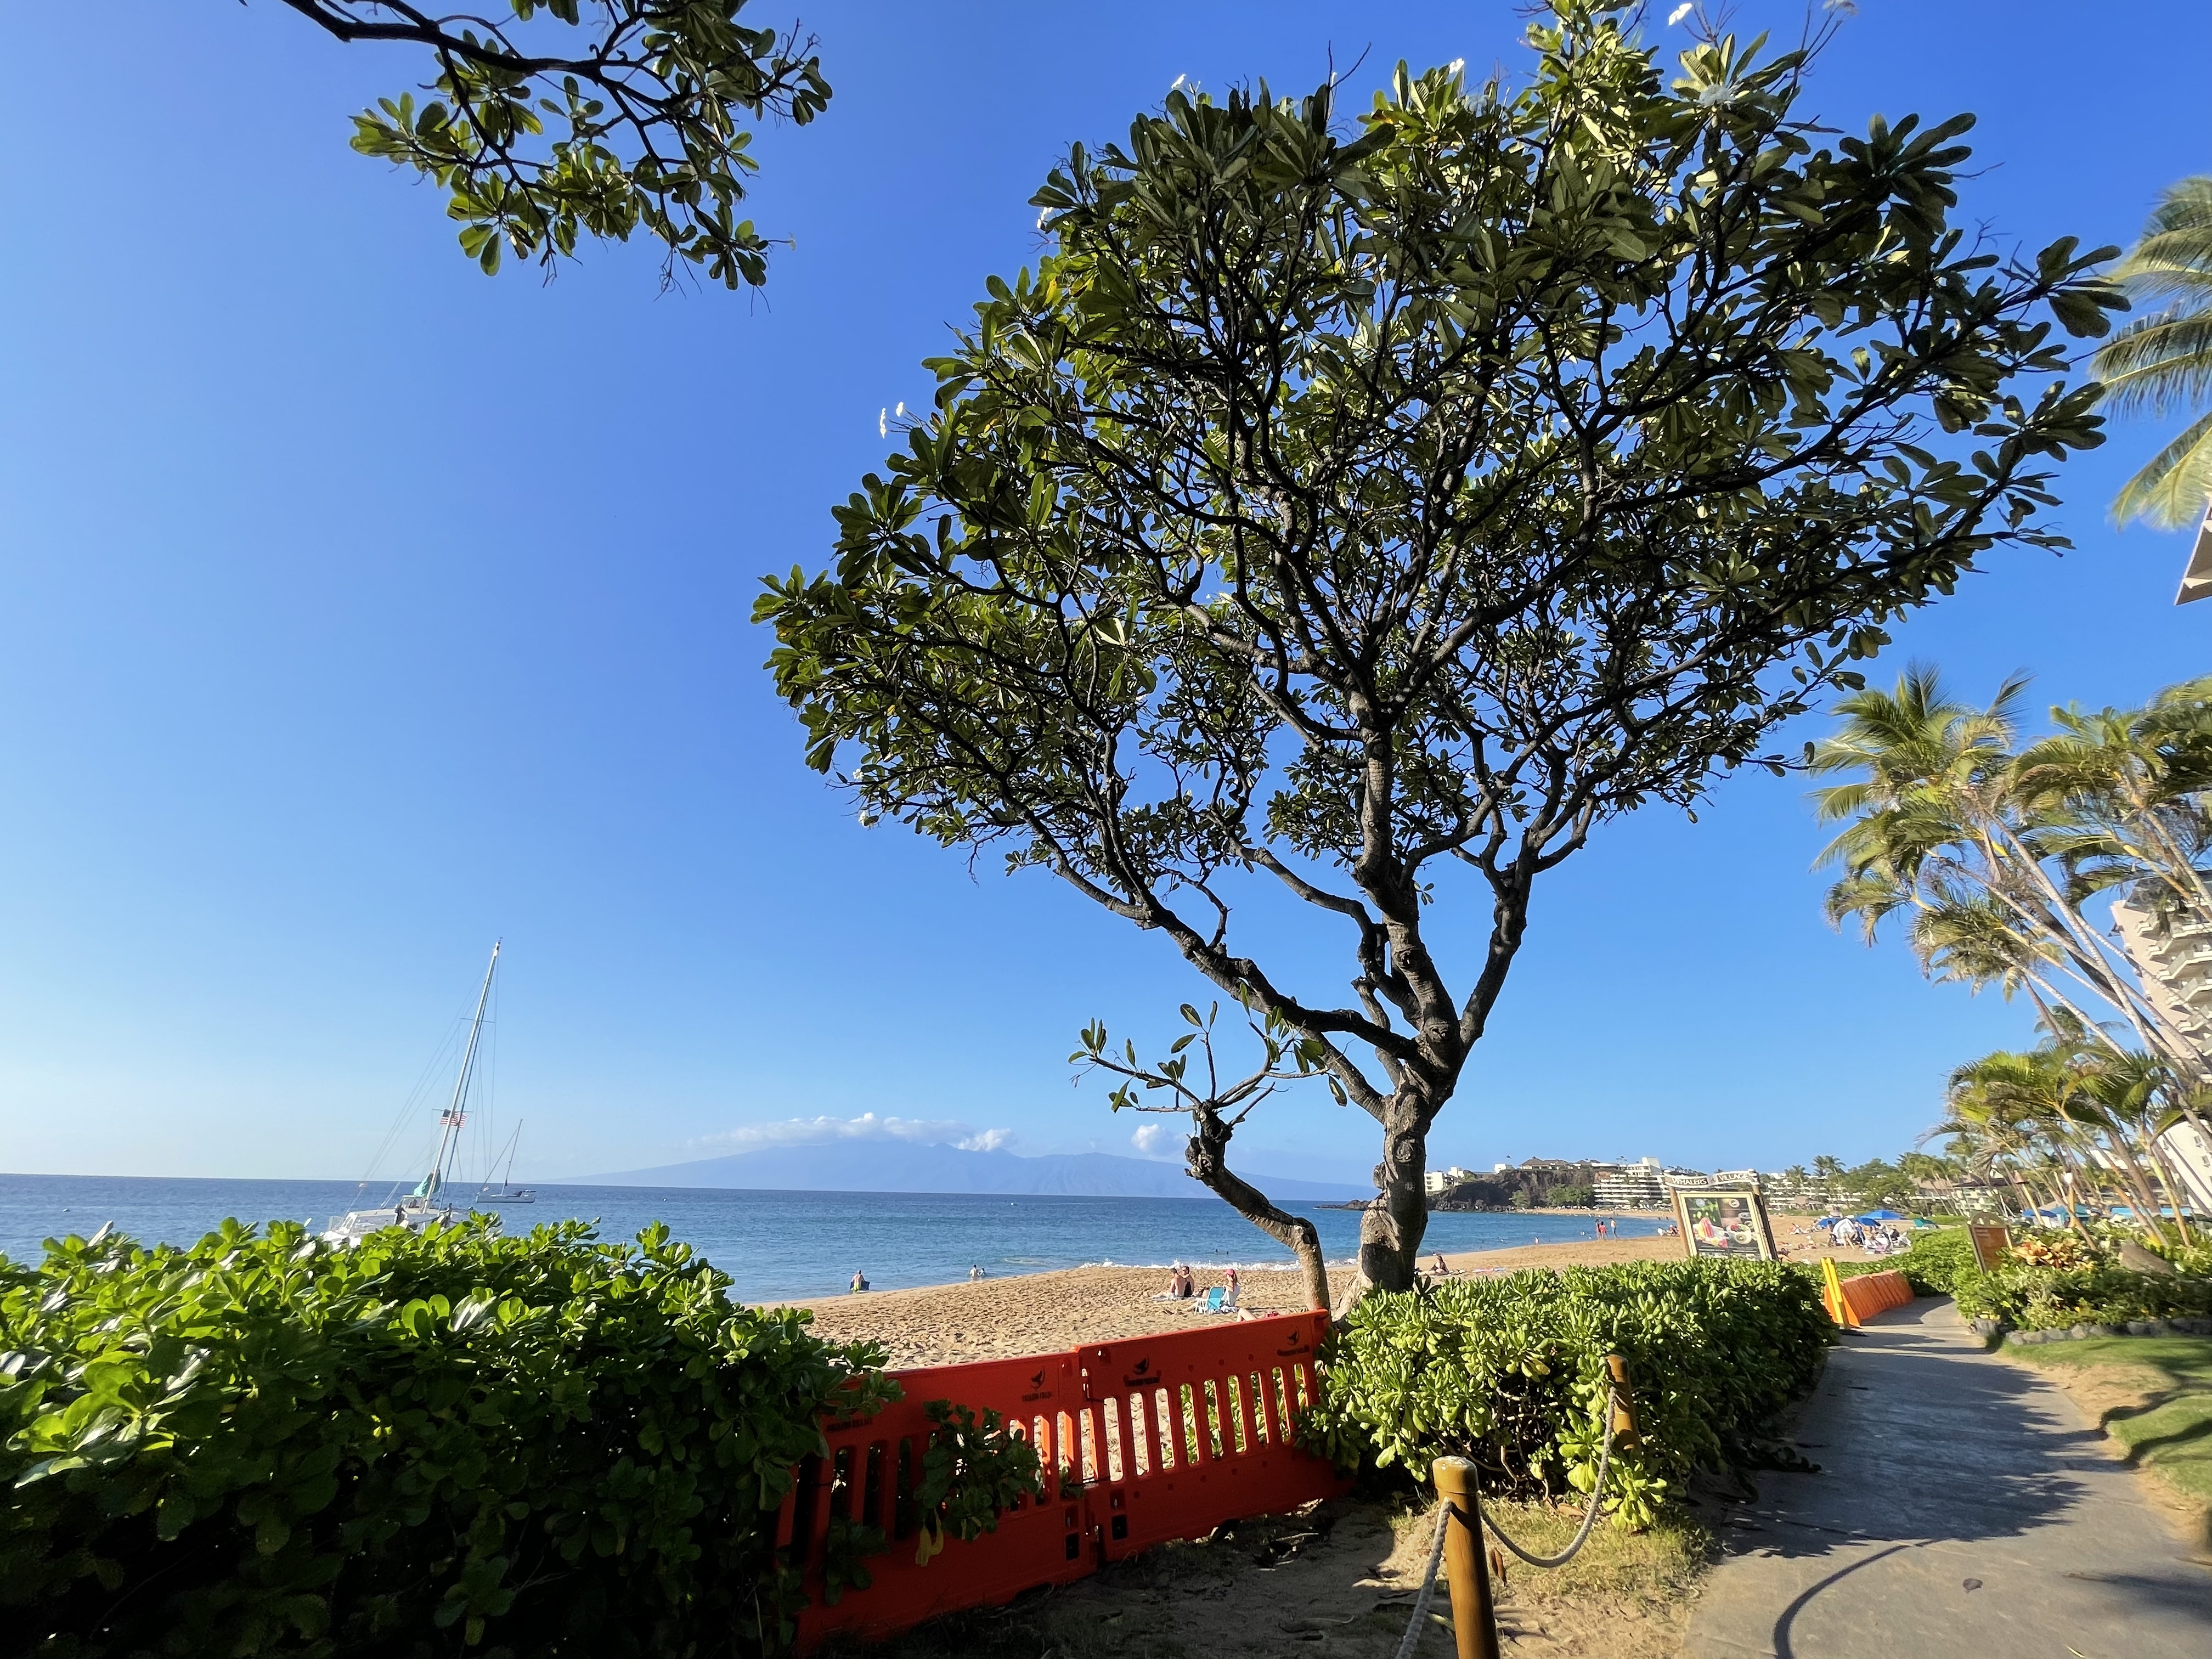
1146,1440
1854,1301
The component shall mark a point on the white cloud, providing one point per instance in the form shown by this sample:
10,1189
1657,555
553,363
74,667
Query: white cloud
823,1131
1151,1139
1679,13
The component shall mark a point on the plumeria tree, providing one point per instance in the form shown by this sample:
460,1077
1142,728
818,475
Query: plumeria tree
1373,508
552,120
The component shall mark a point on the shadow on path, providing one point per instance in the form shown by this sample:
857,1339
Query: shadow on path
1963,1507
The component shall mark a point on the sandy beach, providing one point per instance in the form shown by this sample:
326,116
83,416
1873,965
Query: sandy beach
1043,1313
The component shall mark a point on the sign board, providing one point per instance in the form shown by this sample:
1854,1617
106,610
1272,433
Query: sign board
1991,1242
1723,1221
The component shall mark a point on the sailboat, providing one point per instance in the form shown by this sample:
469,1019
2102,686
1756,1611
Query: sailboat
505,1191
426,1204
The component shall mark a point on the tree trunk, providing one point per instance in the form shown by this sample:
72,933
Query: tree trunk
1390,1229
1206,1156
2165,1173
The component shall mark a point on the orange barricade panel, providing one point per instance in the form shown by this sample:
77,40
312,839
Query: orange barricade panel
870,1476
1155,1439
1873,1294
1184,1431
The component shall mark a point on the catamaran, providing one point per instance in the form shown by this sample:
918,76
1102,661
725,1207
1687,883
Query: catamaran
426,1204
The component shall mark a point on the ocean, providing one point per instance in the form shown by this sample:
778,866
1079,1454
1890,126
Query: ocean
780,1245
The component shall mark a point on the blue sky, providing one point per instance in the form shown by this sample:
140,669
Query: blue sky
355,609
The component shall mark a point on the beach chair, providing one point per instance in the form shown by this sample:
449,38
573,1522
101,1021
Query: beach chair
1213,1299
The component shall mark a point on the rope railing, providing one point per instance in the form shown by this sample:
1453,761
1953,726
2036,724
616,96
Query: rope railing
1590,1513
1412,1638
1619,1421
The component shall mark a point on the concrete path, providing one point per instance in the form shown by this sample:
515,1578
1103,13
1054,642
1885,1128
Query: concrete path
1964,1510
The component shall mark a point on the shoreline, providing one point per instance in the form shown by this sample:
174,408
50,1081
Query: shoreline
1062,1308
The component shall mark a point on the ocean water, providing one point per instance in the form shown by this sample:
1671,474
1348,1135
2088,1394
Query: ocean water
775,1245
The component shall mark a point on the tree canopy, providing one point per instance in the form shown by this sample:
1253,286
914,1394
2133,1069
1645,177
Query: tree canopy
538,138
1376,507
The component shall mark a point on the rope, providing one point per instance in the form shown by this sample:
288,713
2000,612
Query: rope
1589,1514
1428,1586
1417,1624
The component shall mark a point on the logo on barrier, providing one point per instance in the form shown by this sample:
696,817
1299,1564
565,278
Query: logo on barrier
1298,1345
1037,1390
1140,1376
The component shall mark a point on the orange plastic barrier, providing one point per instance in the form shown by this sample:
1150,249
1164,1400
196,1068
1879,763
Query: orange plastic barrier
1196,1430
1868,1294
1147,1440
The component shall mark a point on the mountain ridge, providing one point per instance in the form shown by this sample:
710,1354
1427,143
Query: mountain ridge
891,1166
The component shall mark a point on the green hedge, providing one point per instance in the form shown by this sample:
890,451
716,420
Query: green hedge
1509,1372
2030,1298
427,1445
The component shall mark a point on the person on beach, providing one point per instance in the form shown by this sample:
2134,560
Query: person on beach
1229,1301
976,1273
860,1281
1441,1269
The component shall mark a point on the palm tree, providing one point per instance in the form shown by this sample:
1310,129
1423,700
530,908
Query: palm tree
2162,363
1992,861
2130,782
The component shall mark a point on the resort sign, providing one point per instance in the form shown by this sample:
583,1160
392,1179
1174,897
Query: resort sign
1990,1243
1723,1221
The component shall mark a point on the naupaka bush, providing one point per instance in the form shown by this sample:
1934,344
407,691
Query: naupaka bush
1511,1372
433,1443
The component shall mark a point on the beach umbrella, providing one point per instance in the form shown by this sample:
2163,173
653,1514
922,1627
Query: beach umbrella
1827,1221
1879,1215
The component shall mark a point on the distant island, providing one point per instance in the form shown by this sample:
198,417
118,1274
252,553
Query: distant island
897,1166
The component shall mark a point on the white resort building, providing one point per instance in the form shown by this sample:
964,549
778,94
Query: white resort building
1638,1186
2173,957
2172,954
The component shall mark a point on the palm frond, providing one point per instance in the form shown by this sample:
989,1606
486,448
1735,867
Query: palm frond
2171,492
2159,364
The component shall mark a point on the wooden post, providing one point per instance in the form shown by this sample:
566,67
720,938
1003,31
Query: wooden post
1623,1404
1475,1619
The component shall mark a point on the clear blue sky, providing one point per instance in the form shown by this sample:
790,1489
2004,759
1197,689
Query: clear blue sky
355,609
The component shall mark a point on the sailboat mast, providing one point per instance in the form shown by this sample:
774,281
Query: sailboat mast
455,1115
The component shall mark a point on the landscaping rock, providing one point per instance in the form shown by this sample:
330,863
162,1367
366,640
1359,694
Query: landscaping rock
2136,1259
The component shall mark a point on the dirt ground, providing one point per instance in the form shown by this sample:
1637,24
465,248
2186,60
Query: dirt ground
1338,1579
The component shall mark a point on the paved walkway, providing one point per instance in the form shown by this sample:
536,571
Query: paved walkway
1965,1510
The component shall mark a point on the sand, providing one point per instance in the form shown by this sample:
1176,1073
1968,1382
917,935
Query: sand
1045,1313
